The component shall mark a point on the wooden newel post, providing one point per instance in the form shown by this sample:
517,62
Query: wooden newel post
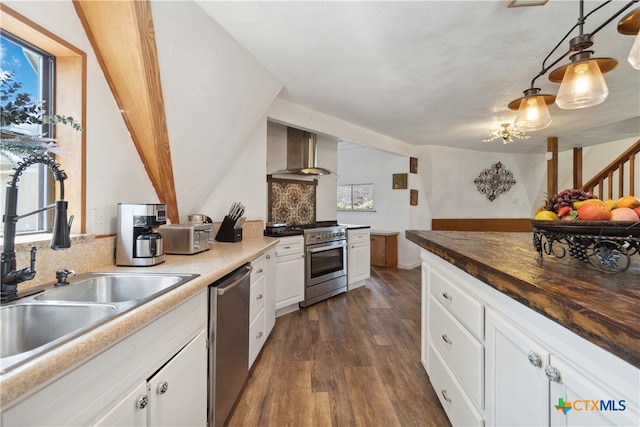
552,165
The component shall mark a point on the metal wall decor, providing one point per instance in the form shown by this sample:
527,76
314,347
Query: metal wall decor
495,181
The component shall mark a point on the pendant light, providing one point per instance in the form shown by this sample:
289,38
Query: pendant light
630,25
533,113
582,84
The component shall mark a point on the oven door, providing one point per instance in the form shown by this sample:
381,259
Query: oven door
325,261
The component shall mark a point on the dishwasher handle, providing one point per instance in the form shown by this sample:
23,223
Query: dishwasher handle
234,280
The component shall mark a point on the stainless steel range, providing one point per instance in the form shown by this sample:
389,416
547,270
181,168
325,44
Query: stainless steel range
325,263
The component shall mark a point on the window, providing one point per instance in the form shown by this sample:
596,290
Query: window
355,197
69,82
33,69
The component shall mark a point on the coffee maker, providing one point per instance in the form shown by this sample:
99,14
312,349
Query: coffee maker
137,243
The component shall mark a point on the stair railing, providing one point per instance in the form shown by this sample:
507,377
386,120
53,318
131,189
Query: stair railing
602,185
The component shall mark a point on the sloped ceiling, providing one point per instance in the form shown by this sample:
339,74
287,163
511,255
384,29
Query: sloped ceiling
433,72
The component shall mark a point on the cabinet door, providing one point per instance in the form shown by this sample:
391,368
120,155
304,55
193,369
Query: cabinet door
378,251
358,264
289,279
270,293
517,389
131,411
577,399
178,391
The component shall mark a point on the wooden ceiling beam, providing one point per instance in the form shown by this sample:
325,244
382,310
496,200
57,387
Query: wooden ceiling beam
123,38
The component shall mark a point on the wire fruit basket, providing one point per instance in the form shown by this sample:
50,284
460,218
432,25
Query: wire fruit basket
605,245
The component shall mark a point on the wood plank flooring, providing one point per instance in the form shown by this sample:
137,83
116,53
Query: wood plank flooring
352,360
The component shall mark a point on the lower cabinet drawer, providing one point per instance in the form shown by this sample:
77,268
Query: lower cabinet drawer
460,348
256,337
257,299
459,408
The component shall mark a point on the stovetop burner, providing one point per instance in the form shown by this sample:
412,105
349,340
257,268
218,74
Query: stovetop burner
298,229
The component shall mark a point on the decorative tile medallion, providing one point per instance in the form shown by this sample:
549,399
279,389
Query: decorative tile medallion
495,181
292,201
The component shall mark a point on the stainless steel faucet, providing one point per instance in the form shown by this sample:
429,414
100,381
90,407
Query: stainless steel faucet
9,276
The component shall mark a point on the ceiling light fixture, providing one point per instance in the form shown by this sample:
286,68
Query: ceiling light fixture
630,25
582,84
506,133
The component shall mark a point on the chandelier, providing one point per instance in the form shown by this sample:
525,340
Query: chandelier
507,133
582,84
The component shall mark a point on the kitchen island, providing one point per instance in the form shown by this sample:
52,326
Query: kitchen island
495,317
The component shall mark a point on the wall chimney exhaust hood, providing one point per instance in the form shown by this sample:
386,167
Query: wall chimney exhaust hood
302,153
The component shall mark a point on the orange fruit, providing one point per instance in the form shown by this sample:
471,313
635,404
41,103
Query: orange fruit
547,216
628,202
594,212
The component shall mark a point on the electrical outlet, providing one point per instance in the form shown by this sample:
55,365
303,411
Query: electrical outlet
99,221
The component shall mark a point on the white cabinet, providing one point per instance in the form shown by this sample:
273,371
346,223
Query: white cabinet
519,388
270,292
531,364
289,273
262,312
358,257
455,348
105,389
171,397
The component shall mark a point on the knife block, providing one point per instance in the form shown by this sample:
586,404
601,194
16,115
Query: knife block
227,233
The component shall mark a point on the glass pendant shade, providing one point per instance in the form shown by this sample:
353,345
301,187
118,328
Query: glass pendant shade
634,55
533,114
582,86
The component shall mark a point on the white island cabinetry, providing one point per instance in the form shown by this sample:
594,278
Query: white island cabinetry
262,309
493,361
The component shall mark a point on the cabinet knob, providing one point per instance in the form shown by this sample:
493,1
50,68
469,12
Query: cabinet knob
259,271
142,402
259,297
163,387
287,247
446,339
259,335
444,394
268,256
552,373
447,296
534,359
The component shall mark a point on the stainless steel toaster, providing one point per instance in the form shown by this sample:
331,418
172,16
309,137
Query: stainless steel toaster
187,239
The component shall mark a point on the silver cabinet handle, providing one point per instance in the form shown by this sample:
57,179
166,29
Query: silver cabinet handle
447,296
163,387
445,395
259,335
552,373
142,402
268,256
287,247
446,339
534,359
259,271
259,297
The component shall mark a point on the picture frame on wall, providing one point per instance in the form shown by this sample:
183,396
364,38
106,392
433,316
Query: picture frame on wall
413,198
400,181
413,164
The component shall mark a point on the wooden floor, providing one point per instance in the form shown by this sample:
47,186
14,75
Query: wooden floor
352,360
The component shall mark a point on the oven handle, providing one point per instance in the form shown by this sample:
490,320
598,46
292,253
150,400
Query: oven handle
324,247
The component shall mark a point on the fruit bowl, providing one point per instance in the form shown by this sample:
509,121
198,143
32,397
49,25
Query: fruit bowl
605,245
596,228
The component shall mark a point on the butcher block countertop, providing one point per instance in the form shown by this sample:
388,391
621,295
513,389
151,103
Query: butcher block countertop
603,308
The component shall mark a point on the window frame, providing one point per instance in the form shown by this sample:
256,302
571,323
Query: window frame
351,198
70,82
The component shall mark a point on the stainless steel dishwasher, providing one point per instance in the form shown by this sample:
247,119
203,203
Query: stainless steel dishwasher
228,342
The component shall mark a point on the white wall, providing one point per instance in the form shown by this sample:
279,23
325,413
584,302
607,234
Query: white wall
358,164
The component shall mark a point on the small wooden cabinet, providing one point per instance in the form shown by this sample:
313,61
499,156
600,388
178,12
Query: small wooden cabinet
384,249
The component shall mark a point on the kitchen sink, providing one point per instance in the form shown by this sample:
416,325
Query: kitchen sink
114,287
36,324
27,327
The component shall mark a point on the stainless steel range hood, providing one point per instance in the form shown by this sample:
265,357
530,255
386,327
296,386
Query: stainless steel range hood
302,153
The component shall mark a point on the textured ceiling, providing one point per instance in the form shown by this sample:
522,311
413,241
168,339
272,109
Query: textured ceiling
433,72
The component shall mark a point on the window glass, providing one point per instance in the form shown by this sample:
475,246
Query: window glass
32,69
357,197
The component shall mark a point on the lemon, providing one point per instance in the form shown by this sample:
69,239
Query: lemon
611,204
547,216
